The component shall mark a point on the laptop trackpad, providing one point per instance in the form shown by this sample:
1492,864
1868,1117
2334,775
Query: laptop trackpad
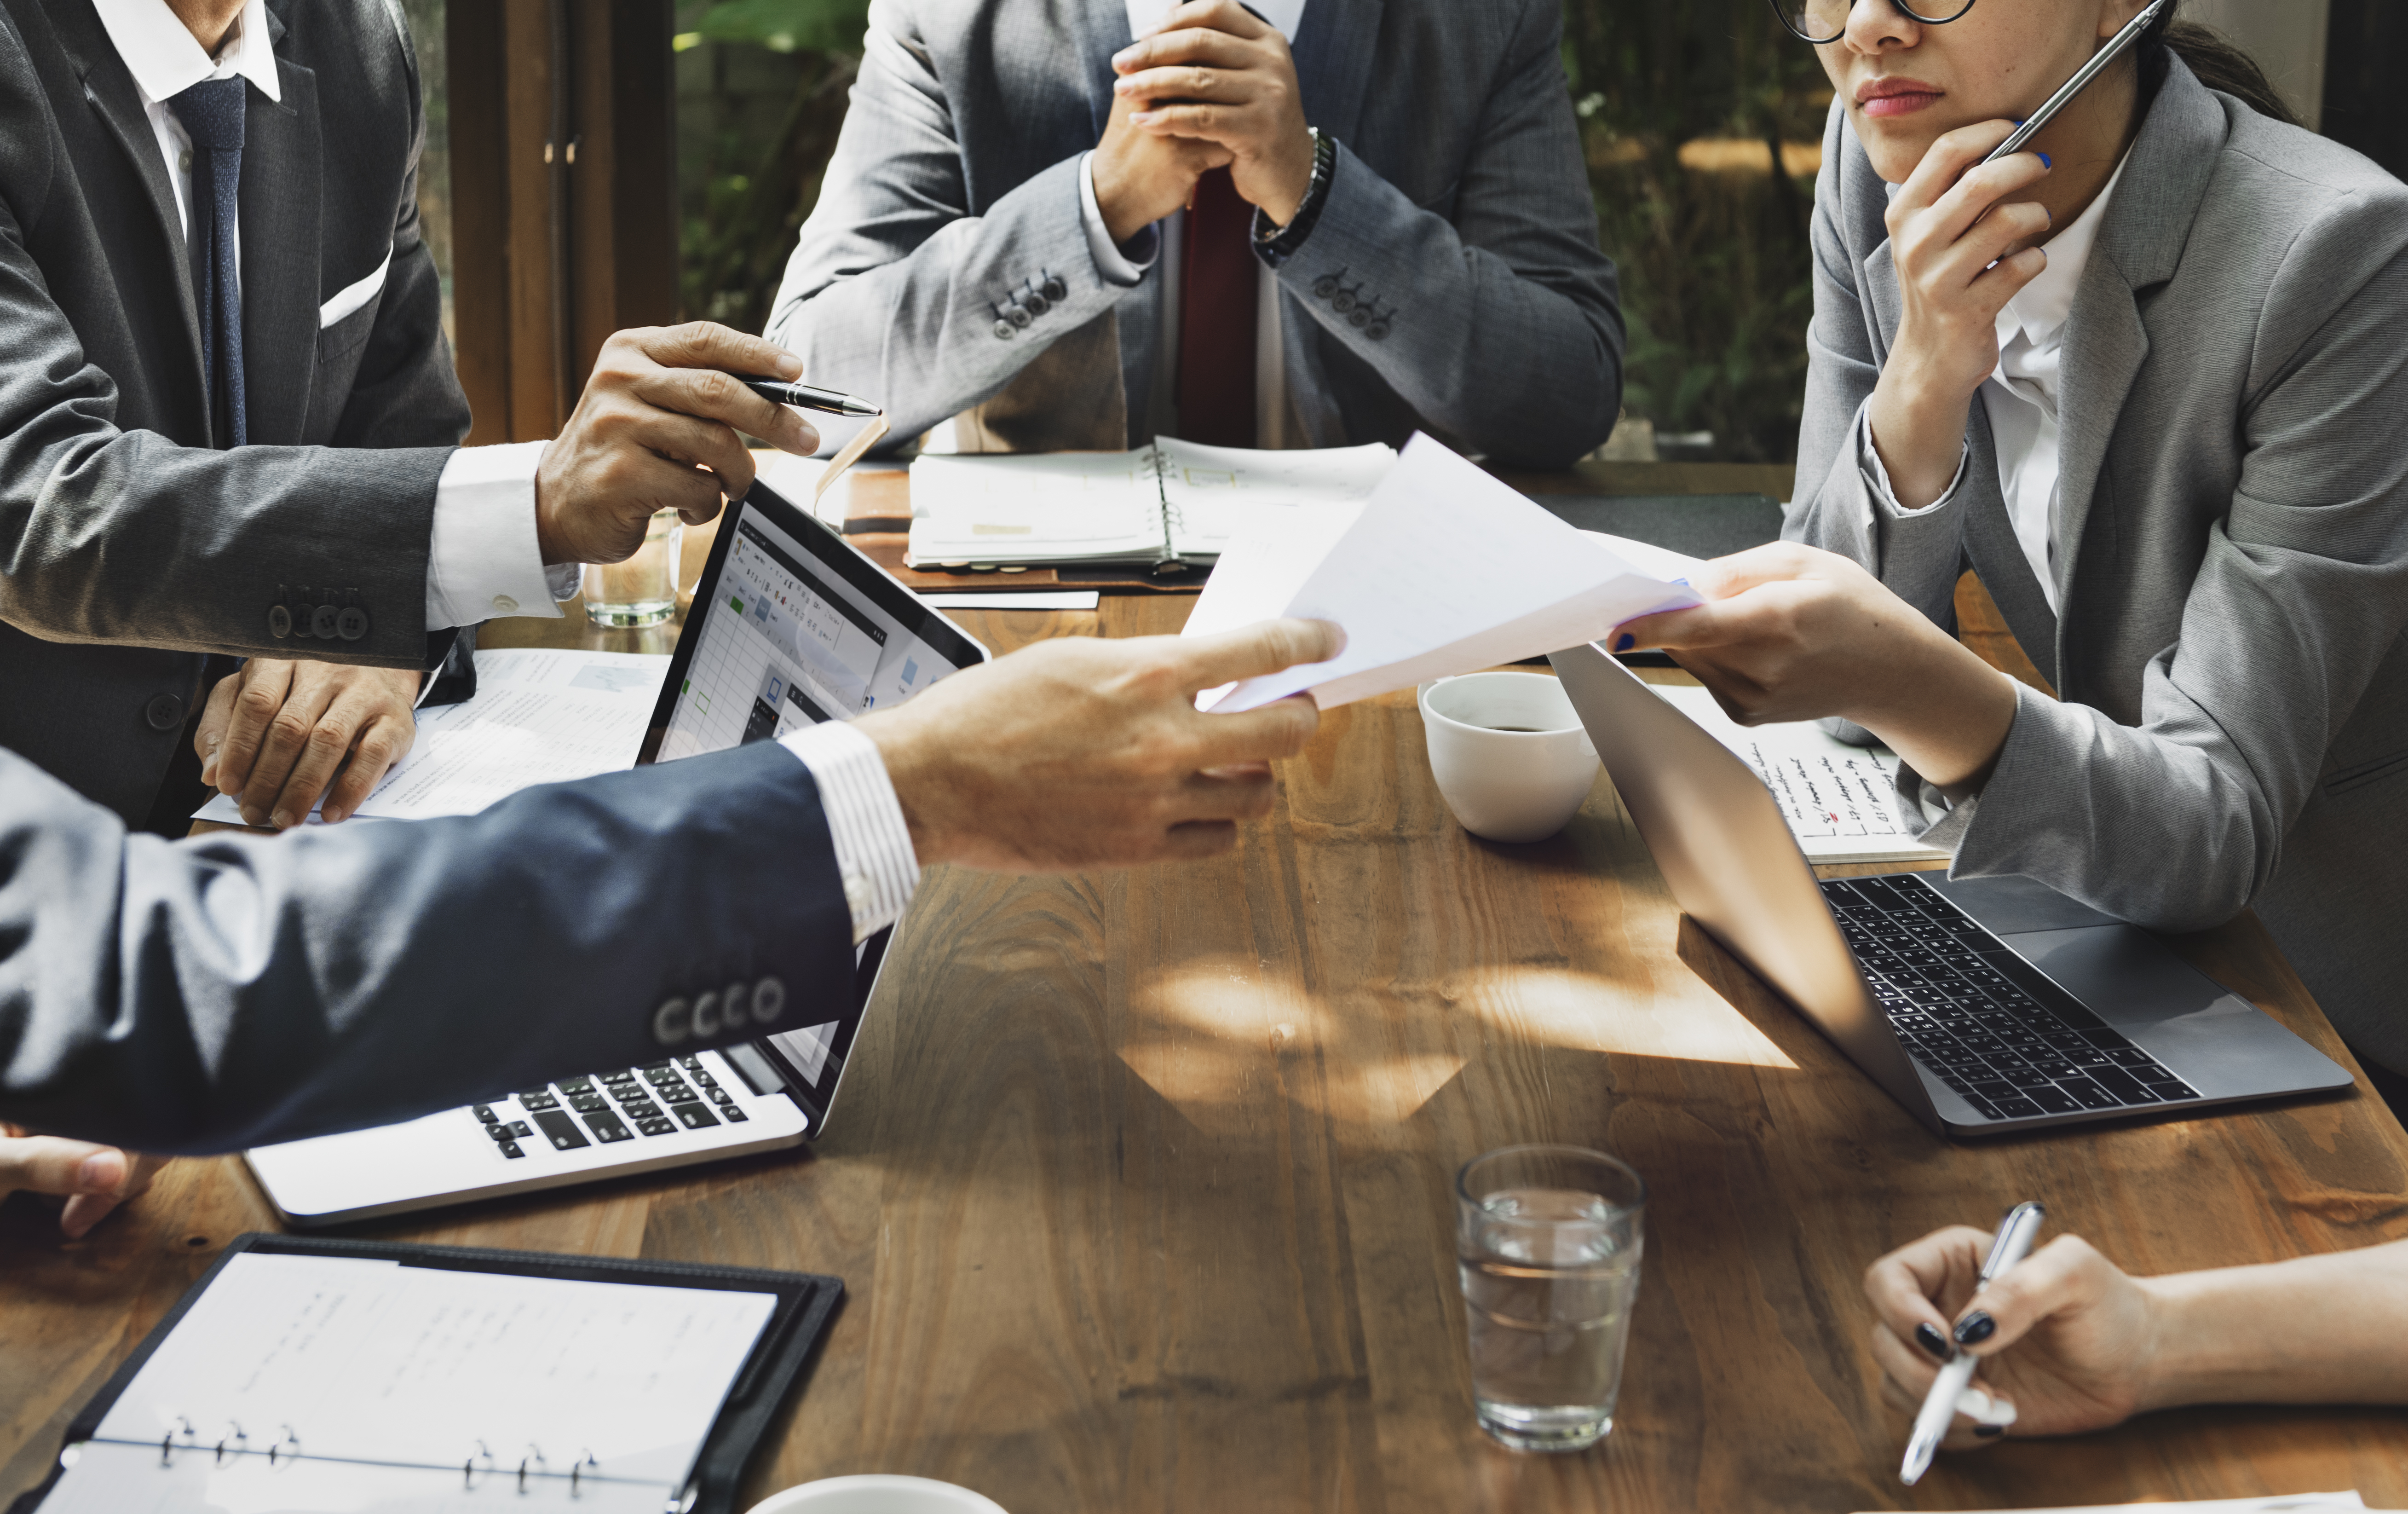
2217,1041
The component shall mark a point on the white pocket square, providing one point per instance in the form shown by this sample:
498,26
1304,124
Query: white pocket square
352,297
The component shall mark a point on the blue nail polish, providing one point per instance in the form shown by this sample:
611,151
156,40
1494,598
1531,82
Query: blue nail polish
2044,160
1624,641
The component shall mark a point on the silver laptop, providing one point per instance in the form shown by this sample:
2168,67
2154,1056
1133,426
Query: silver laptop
791,626
1983,1005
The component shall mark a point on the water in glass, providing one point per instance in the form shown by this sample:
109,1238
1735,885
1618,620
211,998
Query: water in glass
1549,1275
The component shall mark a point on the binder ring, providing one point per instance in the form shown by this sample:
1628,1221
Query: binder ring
288,1445
470,1470
577,1471
535,1458
168,1442
241,1442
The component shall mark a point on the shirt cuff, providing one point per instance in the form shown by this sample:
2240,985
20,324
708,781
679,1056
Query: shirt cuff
483,561
1121,264
1878,493
865,820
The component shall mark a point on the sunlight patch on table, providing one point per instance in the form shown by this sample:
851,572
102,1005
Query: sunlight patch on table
1565,1009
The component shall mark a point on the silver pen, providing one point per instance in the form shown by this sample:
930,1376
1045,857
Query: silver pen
2115,48
806,397
2013,1243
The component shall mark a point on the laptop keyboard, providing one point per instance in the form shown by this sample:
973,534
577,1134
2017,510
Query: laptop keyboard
604,1108
1984,1021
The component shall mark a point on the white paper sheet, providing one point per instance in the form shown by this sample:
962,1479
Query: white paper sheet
1036,507
1443,570
540,716
1840,801
1215,495
1033,599
418,1367
2280,1504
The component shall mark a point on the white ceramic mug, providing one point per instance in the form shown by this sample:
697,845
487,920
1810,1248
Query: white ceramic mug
877,1494
1508,753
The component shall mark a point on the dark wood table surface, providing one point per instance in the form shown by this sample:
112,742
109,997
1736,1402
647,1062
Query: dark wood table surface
1139,1185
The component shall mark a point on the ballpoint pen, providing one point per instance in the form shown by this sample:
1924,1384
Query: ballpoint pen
2013,1243
804,397
2029,127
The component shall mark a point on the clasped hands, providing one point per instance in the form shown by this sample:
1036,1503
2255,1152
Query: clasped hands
1211,87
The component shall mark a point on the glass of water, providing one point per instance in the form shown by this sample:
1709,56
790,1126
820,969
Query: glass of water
642,591
1548,1239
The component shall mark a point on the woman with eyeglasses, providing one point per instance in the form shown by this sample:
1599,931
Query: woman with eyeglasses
2149,380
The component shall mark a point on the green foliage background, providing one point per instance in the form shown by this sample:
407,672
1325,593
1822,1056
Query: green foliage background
1714,261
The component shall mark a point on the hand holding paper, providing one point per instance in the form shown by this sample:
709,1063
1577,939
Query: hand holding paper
1444,570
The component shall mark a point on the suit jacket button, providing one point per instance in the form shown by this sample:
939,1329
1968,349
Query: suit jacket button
768,1001
1035,303
351,624
1377,331
321,620
1019,316
1055,290
163,712
280,621
1359,317
672,1022
1003,330
1342,301
1325,286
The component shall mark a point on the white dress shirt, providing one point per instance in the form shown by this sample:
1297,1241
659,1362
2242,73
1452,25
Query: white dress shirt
874,854
2020,399
483,561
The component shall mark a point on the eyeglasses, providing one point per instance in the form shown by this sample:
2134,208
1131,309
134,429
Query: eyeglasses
1823,20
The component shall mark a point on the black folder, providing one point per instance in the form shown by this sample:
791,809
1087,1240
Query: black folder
781,1356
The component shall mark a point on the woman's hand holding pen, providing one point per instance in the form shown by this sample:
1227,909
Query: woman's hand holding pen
1961,249
2084,1337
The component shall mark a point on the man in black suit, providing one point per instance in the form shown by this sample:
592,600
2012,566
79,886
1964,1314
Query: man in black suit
229,424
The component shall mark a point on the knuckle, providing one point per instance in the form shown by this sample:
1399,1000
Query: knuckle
259,701
290,728
330,737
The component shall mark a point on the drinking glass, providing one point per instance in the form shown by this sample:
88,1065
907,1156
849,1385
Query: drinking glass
1548,1240
642,591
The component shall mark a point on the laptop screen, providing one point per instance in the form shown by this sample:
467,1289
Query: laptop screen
791,626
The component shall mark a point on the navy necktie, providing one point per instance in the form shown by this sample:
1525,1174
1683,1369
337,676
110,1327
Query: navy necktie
211,112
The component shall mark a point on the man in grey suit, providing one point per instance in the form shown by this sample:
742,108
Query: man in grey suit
231,990
1387,229
229,425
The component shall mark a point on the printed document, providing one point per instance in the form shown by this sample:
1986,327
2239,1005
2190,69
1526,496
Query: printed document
1443,570
539,715
1840,801
2279,1504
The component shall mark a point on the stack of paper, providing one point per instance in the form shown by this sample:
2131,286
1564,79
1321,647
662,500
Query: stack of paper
2278,1504
1443,570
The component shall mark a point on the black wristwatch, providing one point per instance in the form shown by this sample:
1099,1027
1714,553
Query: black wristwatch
1277,244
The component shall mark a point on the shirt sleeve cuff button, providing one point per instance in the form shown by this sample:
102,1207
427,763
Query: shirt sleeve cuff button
504,605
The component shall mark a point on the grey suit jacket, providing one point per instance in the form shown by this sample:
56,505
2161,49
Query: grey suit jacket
2231,724
212,994
128,548
1458,218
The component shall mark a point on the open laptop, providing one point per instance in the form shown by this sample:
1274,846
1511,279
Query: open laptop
1984,1005
789,625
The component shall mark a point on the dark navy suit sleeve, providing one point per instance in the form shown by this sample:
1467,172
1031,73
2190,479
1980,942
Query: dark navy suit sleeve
233,990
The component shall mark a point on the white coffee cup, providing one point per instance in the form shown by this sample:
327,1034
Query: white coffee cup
1508,753
877,1494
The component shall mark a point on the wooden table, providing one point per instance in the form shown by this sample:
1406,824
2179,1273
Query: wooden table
1140,1183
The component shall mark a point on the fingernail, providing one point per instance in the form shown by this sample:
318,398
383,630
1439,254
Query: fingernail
1141,118
100,1172
282,819
253,817
789,365
1122,86
1985,1430
1624,641
1976,1328
1932,1341
209,771
2044,160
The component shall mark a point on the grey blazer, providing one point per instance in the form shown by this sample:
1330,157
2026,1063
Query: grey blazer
217,993
128,548
1458,219
2232,726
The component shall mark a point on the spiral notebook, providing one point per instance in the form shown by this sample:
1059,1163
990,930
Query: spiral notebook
1166,506
335,1375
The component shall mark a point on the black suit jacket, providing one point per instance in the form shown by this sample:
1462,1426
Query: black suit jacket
128,546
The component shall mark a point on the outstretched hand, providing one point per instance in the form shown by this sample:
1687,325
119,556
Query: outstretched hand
1084,753
93,1179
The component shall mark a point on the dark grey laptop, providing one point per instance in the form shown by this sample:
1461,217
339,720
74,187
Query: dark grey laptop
1983,1005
